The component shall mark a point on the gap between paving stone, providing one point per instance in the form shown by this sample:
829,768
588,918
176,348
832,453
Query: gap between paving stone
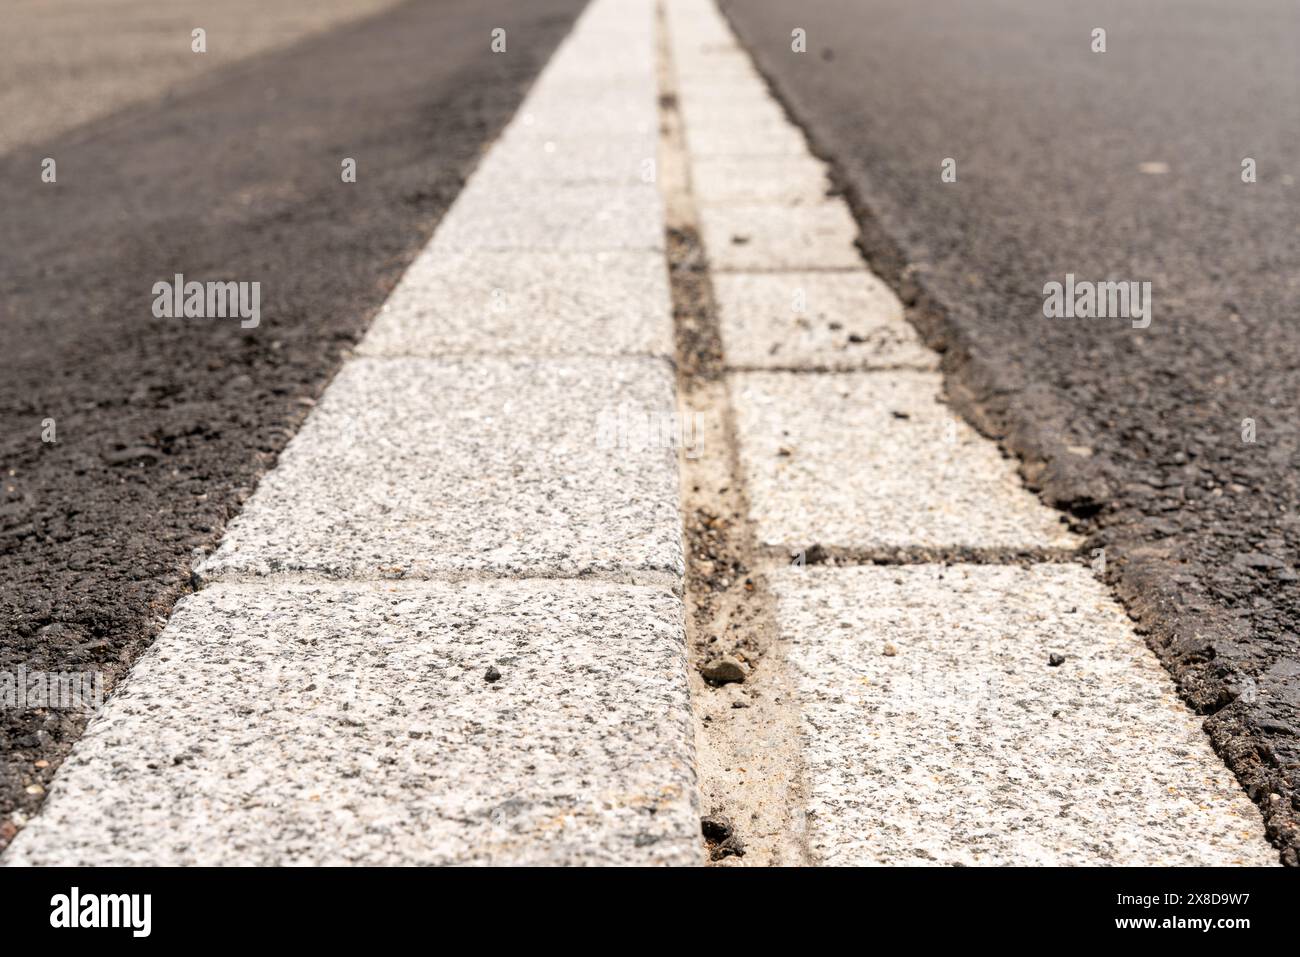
749,765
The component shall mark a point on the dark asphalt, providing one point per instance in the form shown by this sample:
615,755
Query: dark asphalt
1137,432
163,426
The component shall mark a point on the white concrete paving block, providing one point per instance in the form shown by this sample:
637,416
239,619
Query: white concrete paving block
687,41
700,97
938,732
817,320
596,53
724,100
731,113
613,44
690,59
759,181
571,160
614,21
602,50
696,22
596,70
359,724
757,138
572,109
613,58
873,460
711,72
605,17
527,303
420,467
703,66
691,49
739,86
780,237
523,215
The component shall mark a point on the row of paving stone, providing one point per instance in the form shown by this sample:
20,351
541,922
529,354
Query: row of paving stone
951,714
447,627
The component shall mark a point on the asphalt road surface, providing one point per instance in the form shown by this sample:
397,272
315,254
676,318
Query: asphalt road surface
229,172
1118,165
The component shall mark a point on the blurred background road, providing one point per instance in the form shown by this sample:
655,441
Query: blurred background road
68,62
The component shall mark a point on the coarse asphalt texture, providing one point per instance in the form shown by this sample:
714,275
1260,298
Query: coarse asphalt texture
1125,165
163,426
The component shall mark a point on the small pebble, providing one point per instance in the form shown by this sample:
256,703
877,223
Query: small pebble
715,827
723,670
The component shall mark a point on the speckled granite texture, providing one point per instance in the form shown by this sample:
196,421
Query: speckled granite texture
611,303
419,467
356,724
875,461
937,731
